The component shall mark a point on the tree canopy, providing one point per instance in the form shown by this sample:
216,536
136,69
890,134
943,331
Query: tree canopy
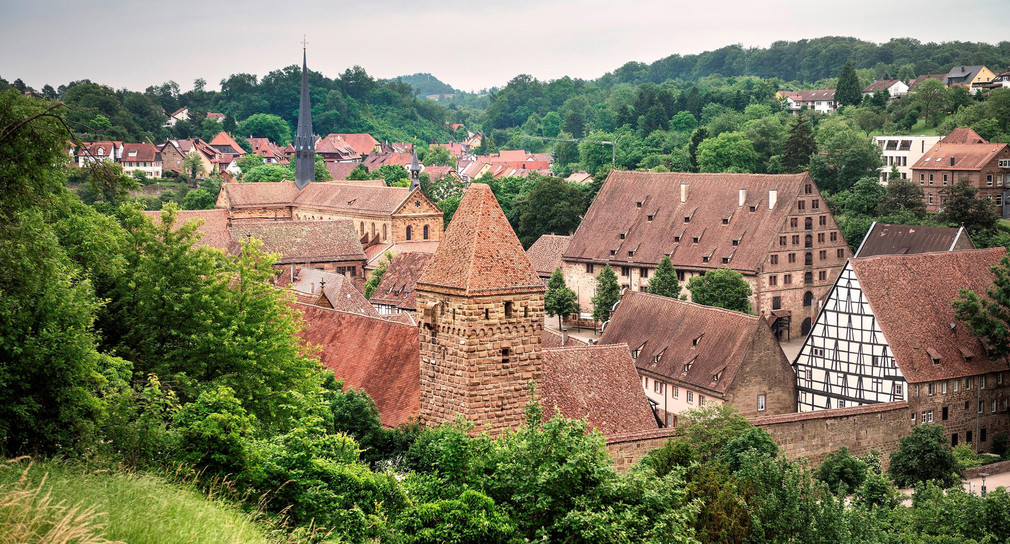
721,287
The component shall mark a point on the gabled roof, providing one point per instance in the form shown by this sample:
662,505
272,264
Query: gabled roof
303,241
963,136
260,194
361,143
380,356
884,239
965,148
924,77
334,144
223,140
374,253
670,334
377,160
330,290
397,287
140,153
455,149
214,227
598,383
580,177
627,200
545,253
438,172
959,74
340,170
810,96
552,339
880,85
911,297
479,253
352,197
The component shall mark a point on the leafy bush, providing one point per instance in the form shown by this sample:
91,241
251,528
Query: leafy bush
841,471
922,456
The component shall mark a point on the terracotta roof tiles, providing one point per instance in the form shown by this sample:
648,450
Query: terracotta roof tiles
397,287
332,290
352,197
303,241
213,229
884,239
545,253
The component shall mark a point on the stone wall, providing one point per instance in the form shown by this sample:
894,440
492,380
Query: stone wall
955,405
478,357
813,435
260,213
417,223
626,450
764,371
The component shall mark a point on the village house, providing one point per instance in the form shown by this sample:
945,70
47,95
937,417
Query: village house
885,239
143,158
181,114
271,152
968,76
228,151
901,152
362,144
173,153
99,151
325,289
776,230
888,333
820,100
689,356
334,149
964,154
545,254
396,292
330,245
894,88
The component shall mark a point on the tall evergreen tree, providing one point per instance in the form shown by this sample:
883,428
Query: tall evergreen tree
989,318
848,92
799,146
559,300
664,282
697,137
607,294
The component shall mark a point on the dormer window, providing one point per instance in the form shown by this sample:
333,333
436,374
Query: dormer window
622,236
694,343
631,254
638,204
725,260
687,218
613,252
650,218
658,356
736,242
695,239
753,208
716,376
704,259
687,367
676,238
725,220
933,355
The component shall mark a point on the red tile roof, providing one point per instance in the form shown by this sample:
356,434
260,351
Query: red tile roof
335,145
380,356
140,153
711,198
331,290
479,253
961,147
545,253
963,136
455,149
880,85
224,140
398,283
924,77
552,339
911,297
362,143
437,172
374,253
213,229
663,330
303,241
260,194
377,160
598,383
340,170
810,96
352,197
884,239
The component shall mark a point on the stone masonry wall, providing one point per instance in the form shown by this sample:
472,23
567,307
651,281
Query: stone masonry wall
960,398
478,357
765,371
626,450
813,435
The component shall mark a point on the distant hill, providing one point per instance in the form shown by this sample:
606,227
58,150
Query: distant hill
427,84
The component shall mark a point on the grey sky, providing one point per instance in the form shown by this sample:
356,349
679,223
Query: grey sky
470,45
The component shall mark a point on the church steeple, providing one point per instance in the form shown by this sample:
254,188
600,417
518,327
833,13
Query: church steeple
415,173
305,140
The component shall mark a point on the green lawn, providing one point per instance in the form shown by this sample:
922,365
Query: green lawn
133,508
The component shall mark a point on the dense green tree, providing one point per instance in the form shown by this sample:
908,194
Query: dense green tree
552,205
752,441
721,287
200,199
799,146
707,430
438,156
359,172
377,274
559,300
931,96
727,152
266,173
213,432
608,292
989,317
862,199
841,471
922,456
845,156
697,137
963,207
664,280
448,207
902,195
848,91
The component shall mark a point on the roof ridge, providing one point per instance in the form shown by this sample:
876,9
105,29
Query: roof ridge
718,308
334,310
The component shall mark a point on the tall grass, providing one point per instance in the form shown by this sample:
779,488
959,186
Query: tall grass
57,502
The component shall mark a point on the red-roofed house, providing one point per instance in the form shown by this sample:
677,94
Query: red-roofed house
99,151
689,356
142,158
894,88
333,148
329,290
776,230
271,152
173,153
181,114
363,144
887,332
964,154
820,100
396,293
329,245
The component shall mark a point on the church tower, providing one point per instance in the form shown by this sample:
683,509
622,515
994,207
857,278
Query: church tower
480,307
415,173
305,140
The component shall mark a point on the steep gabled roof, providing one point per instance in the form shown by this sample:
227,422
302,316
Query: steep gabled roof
398,284
479,253
140,153
380,356
598,383
911,297
340,170
671,335
303,241
361,143
810,96
545,253
963,136
618,222
224,140
965,147
214,229
884,239
331,290
880,85
260,194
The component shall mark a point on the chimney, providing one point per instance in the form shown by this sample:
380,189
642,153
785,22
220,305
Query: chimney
773,197
743,197
564,337
683,193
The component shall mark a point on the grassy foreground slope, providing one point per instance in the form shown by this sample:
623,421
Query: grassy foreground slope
85,506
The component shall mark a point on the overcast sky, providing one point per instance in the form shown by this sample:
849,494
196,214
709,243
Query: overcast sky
470,44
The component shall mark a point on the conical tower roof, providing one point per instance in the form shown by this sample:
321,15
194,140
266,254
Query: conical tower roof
305,140
479,253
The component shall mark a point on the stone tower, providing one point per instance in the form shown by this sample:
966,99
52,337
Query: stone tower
480,308
305,140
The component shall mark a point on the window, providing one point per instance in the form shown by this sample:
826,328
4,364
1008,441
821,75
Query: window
808,299
930,198
999,378
967,437
815,204
980,407
988,180
657,386
782,240
408,232
792,257
931,179
676,392
487,313
930,388
796,239
981,434
808,240
690,397
776,303
625,271
943,388
921,177
794,222
589,268
426,232
773,280
945,179
981,382
508,308
808,189
840,253
943,414
822,220
898,390
820,237
621,236
775,259
701,400
808,278
834,237
687,218
801,205
929,416
808,223
787,279
643,272
504,355
923,416
650,218
993,408
822,254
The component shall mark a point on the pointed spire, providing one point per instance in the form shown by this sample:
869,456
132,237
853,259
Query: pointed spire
415,173
305,140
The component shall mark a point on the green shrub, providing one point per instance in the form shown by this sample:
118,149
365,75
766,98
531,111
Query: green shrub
841,471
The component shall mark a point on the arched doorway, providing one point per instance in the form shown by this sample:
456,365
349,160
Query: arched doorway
805,327
808,299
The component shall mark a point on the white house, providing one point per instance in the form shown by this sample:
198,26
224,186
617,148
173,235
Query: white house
181,114
902,152
894,88
821,100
